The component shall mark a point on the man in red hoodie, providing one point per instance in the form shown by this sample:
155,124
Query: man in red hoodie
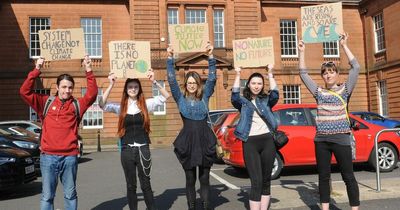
59,140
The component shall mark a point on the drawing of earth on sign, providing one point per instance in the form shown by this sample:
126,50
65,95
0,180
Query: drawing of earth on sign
322,34
141,66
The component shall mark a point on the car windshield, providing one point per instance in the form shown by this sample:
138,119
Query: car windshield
21,132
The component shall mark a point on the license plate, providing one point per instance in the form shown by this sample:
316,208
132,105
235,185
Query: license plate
29,169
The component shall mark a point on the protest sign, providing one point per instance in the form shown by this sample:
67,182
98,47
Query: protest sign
322,23
129,59
253,52
188,37
62,44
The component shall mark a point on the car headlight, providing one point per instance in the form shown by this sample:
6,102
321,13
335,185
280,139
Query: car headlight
25,144
4,160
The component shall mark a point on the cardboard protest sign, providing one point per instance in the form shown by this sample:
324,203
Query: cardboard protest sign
322,23
62,44
129,59
188,37
253,52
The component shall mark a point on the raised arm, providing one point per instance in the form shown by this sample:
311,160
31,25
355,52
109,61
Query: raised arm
355,66
109,107
235,98
152,103
36,101
211,80
92,89
274,92
173,84
308,82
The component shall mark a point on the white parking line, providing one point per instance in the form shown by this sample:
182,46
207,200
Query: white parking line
223,181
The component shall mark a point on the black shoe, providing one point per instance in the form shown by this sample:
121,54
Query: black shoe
192,206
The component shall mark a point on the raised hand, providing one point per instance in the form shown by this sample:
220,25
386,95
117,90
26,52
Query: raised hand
209,48
269,68
87,63
150,75
237,70
170,51
112,78
39,63
343,38
301,46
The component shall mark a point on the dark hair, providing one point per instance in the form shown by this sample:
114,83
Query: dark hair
197,78
141,103
328,66
247,92
65,77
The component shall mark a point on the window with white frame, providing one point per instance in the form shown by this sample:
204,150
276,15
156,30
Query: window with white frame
379,33
243,83
160,110
331,49
288,35
92,29
219,39
195,16
35,25
383,100
93,117
291,94
173,16
33,116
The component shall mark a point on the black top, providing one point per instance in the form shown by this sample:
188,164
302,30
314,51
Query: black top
134,130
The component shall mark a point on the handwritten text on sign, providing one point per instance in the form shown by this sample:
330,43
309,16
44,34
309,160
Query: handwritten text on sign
253,52
129,59
189,37
62,44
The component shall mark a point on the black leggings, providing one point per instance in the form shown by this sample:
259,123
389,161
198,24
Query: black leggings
259,155
323,152
204,178
130,159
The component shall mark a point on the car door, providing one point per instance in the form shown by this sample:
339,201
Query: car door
299,127
364,136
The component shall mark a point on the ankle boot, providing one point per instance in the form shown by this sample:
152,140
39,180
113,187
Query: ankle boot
206,205
192,205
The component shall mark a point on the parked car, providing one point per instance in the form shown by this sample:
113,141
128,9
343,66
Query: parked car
36,127
216,114
298,122
16,166
28,144
377,119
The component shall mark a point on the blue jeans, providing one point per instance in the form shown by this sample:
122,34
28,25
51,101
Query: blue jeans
52,167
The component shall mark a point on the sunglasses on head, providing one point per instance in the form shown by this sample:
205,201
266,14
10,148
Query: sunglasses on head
329,63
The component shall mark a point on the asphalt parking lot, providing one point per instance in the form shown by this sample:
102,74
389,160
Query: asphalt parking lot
101,186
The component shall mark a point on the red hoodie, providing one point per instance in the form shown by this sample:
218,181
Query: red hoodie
60,127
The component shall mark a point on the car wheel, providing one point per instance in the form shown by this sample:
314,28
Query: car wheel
387,157
277,167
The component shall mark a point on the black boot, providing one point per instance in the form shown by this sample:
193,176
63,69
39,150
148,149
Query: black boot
192,205
206,206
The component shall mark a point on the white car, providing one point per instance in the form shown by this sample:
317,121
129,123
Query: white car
34,127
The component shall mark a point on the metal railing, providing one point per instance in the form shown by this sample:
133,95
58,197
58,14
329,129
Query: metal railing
378,178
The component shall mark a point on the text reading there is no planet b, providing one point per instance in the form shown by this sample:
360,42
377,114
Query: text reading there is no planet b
188,37
62,44
253,52
322,23
129,59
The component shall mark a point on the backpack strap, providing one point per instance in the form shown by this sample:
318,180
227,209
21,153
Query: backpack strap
49,101
77,110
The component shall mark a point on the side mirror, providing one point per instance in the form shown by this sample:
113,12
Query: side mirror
355,125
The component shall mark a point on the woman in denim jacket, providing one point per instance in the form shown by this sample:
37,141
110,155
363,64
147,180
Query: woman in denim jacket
195,144
258,146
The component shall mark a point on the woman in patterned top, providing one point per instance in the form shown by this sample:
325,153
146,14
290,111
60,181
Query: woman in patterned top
134,129
333,126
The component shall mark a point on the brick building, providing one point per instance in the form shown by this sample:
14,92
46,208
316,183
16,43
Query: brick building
110,20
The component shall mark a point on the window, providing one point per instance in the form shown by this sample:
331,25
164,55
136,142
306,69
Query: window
383,101
32,113
93,117
379,33
331,49
93,36
243,83
219,40
195,16
35,25
291,94
288,35
160,110
173,16
292,117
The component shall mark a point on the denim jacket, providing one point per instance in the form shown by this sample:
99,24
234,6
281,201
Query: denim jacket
189,108
247,110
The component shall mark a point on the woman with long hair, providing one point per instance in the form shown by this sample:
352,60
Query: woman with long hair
333,128
134,129
195,144
254,129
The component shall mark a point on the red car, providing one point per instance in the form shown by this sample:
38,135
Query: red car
298,122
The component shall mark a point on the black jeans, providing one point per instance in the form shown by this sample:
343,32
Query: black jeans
132,159
259,155
204,178
323,152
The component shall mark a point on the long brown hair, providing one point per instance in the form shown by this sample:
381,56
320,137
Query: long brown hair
141,103
197,78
